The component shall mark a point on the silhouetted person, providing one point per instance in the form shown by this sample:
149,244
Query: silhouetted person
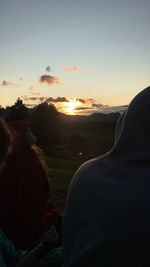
25,211
107,216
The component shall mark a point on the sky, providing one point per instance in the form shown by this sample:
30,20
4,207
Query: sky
83,56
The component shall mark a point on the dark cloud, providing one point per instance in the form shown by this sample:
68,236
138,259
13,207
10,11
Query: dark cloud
84,108
5,83
48,69
49,80
81,100
43,98
34,98
50,99
61,99
99,105
56,100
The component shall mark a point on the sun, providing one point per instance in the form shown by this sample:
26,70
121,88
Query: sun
71,107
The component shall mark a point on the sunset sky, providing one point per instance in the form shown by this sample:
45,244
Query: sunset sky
83,56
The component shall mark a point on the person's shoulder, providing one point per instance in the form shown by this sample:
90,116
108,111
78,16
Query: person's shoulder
89,171
98,164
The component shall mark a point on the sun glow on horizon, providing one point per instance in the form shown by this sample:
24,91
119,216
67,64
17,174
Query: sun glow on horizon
70,107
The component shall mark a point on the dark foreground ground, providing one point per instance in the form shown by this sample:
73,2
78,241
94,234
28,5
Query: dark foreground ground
63,163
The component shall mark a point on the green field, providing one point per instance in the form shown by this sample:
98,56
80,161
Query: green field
61,172
99,137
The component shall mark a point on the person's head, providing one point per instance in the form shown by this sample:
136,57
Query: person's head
5,140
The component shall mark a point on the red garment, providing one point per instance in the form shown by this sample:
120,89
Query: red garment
25,213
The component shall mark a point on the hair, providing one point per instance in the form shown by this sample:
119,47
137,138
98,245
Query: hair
6,138
39,154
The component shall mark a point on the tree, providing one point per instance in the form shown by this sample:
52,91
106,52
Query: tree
45,125
18,111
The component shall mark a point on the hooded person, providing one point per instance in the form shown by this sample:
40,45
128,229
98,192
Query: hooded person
107,216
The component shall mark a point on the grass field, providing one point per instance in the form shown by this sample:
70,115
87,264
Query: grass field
61,172
100,138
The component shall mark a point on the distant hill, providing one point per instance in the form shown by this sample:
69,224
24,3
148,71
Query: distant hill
65,118
97,117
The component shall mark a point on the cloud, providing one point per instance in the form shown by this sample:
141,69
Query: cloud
5,83
49,80
41,98
48,69
90,104
116,108
70,69
34,98
81,100
20,78
58,99
86,101
61,99
99,105
33,91
44,98
83,108
90,100
104,109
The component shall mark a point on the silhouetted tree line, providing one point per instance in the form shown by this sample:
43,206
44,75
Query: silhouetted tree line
45,123
43,119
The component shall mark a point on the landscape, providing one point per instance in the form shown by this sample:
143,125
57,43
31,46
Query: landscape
74,133
67,140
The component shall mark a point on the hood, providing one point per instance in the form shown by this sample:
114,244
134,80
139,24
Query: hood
132,136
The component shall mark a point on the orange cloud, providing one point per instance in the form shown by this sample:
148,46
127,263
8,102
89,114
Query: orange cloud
70,69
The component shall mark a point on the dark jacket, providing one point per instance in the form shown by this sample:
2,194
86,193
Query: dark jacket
107,217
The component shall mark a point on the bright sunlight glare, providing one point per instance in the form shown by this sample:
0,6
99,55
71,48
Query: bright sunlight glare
71,107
